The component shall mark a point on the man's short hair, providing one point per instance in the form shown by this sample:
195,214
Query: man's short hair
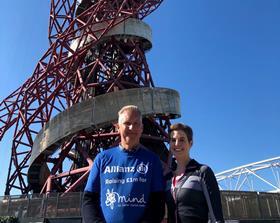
132,108
185,128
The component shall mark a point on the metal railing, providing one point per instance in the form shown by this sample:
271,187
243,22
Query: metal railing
42,206
250,205
237,205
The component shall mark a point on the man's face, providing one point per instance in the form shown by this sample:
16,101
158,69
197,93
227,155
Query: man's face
130,128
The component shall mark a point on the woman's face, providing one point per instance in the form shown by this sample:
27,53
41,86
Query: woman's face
179,144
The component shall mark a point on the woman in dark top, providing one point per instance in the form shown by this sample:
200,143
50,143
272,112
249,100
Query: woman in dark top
192,191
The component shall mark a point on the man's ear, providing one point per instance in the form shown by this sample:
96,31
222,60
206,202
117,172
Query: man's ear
191,143
116,125
142,128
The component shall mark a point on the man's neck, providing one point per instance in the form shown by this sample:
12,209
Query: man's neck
129,148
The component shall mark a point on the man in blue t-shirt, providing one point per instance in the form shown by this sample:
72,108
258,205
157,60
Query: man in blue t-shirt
125,184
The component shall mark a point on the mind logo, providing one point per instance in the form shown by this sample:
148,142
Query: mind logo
110,198
123,200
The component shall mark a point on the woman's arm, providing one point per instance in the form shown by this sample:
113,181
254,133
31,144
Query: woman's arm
212,194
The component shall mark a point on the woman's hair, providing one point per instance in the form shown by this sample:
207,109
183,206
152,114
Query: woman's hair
185,128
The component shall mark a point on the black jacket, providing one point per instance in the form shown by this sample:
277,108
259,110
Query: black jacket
197,196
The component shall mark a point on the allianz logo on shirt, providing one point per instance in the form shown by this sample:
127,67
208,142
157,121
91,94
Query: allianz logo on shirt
140,168
113,197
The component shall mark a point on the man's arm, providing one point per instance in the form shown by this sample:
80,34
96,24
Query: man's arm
155,209
91,210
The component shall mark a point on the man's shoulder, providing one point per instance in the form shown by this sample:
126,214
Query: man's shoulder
145,151
108,152
111,150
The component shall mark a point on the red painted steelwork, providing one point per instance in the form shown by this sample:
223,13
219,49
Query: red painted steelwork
66,76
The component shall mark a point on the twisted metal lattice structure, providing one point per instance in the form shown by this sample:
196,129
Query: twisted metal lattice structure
259,176
97,51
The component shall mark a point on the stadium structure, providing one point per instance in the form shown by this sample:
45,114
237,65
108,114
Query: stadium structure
64,114
259,176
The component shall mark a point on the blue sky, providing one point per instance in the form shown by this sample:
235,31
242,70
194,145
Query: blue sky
221,56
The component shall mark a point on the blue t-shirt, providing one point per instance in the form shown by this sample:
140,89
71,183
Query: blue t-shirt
125,181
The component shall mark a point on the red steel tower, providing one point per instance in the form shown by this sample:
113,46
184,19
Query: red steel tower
64,114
